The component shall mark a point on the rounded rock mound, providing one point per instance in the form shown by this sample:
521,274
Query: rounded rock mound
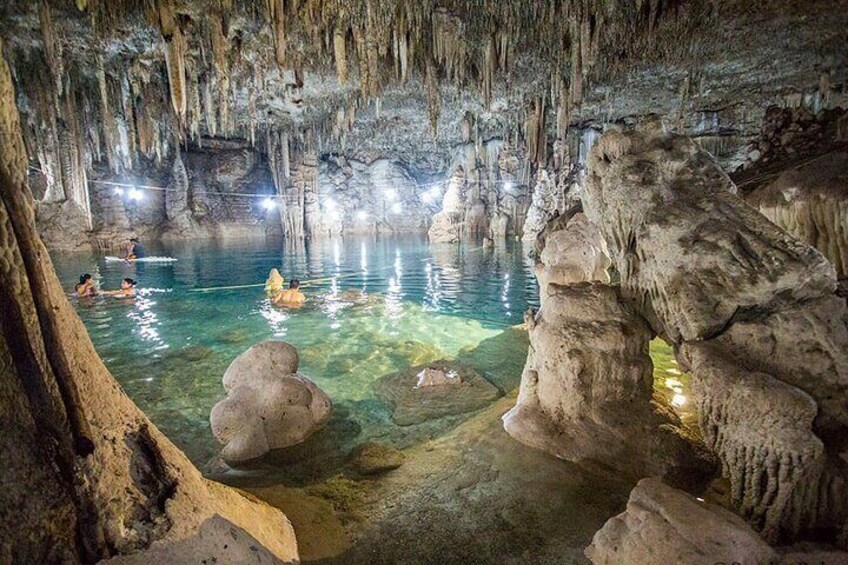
268,405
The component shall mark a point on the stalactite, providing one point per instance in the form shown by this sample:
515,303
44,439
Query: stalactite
52,49
434,98
110,134
129,121
209,109
371,50
489,69
175,50
276,17
534,128
251,112
196,112
340,53
220,46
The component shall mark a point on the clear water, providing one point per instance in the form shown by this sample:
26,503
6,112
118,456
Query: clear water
377,306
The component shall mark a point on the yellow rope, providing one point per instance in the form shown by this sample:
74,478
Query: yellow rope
302,283
239,286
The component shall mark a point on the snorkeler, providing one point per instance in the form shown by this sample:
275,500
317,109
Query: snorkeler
290,296
85,286
127,289
133,250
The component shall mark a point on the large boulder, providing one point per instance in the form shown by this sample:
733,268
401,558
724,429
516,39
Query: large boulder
664,525
268,405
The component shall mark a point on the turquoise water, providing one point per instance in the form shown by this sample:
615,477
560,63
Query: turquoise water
380,305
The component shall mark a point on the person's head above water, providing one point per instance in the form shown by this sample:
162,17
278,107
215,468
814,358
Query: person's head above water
85,278
133,240
294,284
128,283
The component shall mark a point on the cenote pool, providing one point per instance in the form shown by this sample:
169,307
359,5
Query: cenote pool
377,306
466,492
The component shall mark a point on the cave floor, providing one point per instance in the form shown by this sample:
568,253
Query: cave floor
473,495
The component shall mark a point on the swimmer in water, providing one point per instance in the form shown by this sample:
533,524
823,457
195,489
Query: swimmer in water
289,297
127,289
133,250
85,286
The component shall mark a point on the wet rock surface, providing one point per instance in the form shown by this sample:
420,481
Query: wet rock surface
375,458
413,405
662,524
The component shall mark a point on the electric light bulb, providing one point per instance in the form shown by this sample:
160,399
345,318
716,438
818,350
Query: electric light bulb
391,194
330,204
119,191
136,194
426,198
507,186
397,208
269,204
362,215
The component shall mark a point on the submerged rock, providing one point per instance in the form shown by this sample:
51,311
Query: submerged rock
664,525
412,404
435,377
375,458
269,405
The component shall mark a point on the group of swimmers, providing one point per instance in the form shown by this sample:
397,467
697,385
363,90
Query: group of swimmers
85,288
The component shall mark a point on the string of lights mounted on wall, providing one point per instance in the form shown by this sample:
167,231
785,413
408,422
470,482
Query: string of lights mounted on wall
270,201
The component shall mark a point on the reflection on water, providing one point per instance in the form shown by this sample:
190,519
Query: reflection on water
374,306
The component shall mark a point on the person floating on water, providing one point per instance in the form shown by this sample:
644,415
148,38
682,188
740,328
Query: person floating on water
133,250
127,289
290,297
85,286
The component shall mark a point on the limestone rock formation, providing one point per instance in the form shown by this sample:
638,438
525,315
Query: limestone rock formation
375,458
750,309
664,525
575,253
811,203
268,405
586,388
755,421
86,476
413,405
